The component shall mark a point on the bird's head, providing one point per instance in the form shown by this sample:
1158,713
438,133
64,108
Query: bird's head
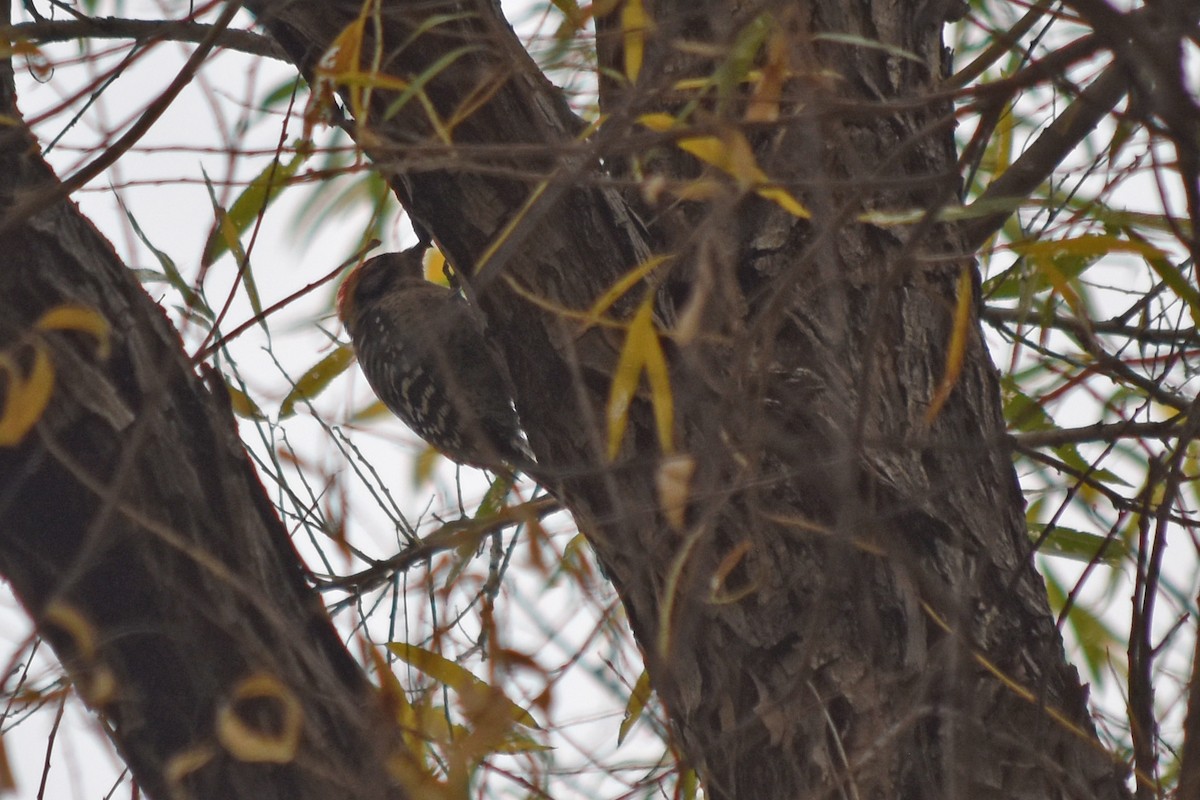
375,277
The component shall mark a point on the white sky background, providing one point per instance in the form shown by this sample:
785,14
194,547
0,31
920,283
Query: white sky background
161,183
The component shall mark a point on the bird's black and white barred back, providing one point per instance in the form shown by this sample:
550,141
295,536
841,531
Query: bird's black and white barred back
424,354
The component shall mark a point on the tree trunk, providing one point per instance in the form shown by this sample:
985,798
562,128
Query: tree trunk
850,605
845,603
136,533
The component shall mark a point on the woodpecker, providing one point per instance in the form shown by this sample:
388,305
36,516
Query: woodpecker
423,354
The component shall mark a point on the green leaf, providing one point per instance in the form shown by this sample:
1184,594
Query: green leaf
689,785
638,699
1094,637
243,405
1078,545
1022,412
1070,455
416,88
493,500
251,203
314,381
229,234
170,272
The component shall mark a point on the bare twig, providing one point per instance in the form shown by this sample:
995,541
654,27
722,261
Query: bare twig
1138,333
447,537
1058,139
46,197
141,30
1100,432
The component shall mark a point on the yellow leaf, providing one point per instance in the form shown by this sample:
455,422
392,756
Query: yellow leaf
642,351
249,741
784,200
714,151
458,678
623,285
660,384
638,699
698,189
957,349
731,153
78,318
620,395
768,82
1097,245
657,122
371,411
633,26
344,57
242,404
26,398
1104,244
730,562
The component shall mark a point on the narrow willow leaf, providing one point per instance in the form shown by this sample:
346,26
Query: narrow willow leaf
194,300
633,27
638,699
314,381
457,678
626,282
956,350
254,199
1078,545
227,231
731,153
242,404
25,398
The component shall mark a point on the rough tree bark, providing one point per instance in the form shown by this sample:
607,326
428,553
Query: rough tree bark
848,607
136,533
851,535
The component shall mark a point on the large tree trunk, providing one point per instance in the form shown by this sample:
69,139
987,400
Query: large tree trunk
134,530
847,606
850,602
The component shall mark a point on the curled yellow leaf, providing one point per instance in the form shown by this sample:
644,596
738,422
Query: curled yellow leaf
70,317
26,397
251,743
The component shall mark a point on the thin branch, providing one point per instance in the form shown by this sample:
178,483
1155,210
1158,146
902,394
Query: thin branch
42,199
1118,500
447,537
207,350
1029,171
1189,763
1074,326
1108,365
143,30
1100,432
